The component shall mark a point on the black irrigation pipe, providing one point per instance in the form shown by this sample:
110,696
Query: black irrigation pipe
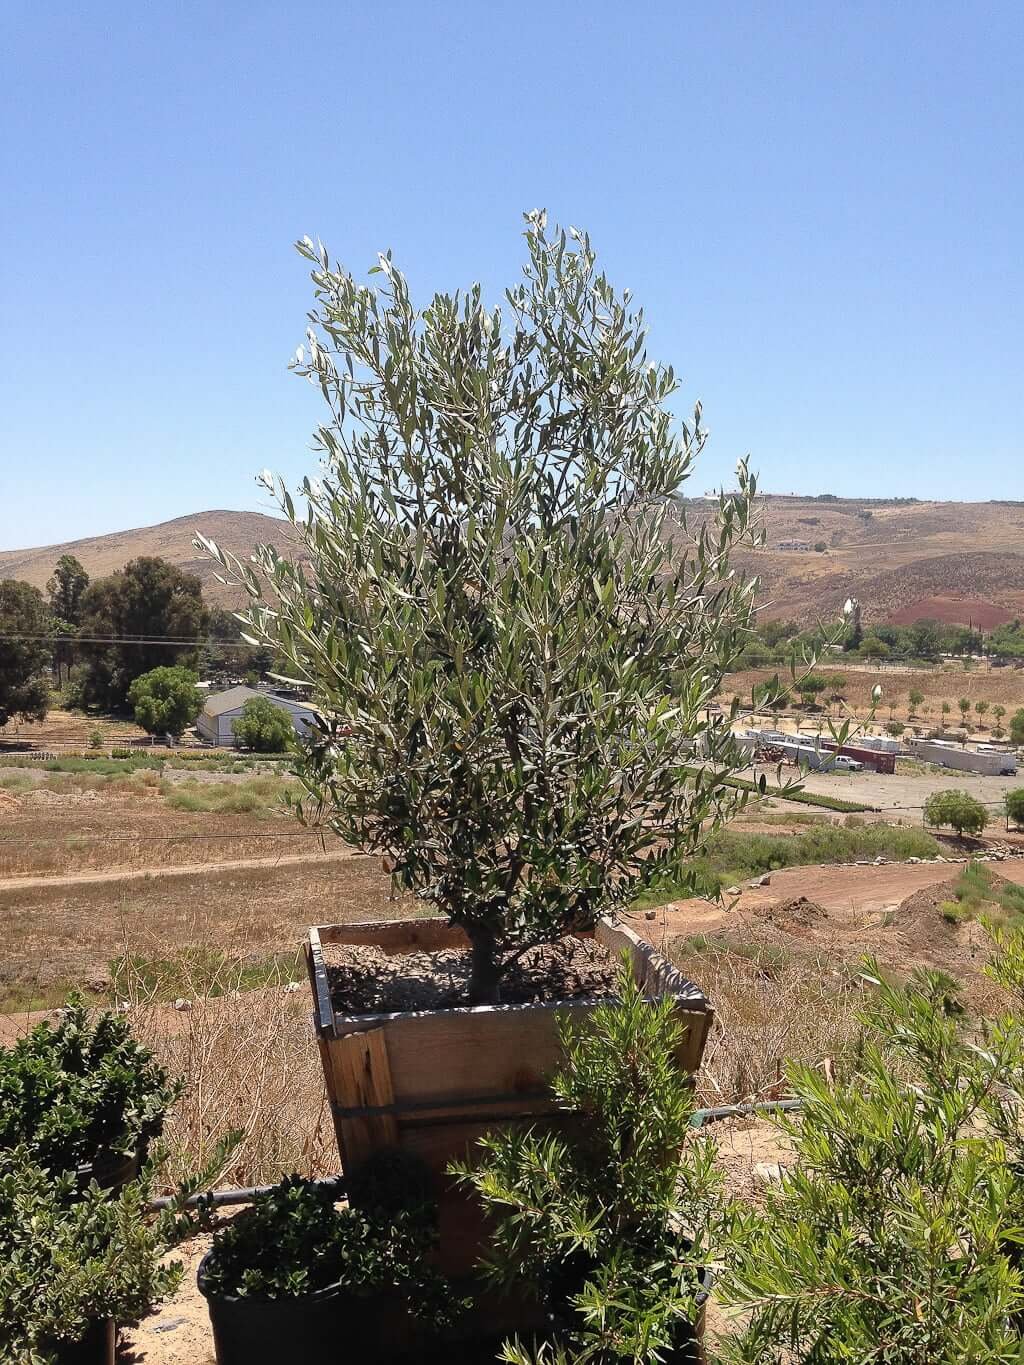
700,1117
243,1194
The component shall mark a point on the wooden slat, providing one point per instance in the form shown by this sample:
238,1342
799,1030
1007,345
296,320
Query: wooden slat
358,1074
654,971
397,936
323,1011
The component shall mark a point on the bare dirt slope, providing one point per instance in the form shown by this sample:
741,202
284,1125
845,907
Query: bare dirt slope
953,561
170,540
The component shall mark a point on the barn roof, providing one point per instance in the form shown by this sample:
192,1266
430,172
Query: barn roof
229,700
236,697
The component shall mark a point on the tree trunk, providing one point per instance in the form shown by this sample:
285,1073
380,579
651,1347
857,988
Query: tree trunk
485,977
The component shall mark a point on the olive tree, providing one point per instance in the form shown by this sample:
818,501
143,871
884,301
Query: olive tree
512,633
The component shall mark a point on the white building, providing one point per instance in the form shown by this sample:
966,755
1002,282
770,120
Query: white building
216,721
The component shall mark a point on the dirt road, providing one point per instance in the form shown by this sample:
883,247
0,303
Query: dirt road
851,891
181,870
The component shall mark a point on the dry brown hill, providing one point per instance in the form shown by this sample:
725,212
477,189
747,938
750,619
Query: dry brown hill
170,540
953,561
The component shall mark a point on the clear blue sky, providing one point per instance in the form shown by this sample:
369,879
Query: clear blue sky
820,206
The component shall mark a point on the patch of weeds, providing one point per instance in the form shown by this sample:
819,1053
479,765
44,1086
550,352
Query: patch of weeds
954,912
200,970
259,795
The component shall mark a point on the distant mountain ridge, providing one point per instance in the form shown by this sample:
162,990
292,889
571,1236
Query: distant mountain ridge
238,532
904,559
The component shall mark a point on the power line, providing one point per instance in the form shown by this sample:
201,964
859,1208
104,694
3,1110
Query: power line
162,838
169,641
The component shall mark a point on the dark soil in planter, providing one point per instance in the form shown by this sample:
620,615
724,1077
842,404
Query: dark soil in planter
366,980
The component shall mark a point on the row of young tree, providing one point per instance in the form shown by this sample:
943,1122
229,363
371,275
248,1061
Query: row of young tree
96,639
782,641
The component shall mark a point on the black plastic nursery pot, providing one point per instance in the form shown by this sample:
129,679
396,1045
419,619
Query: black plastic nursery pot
97,1347
112,1171
330,1324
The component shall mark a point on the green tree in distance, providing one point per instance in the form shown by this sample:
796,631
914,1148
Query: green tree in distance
958,810
811,687
153,612
1015,806
24,655
916,698
165,700
513,634
1017,726
66,589
264,727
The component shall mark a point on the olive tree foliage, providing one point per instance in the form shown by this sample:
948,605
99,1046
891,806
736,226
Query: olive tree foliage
512,634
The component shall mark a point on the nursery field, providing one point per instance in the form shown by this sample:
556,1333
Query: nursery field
946,683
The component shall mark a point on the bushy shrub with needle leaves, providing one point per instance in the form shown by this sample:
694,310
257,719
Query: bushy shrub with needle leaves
893,1236
512,635
611,1220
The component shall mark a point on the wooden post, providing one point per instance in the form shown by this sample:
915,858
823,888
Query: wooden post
359,1077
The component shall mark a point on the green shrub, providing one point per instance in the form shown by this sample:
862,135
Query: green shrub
69,1257
892,1237
958,810
1015,806
165,700
612,1223
264,727
294,1239
225,798
79,1089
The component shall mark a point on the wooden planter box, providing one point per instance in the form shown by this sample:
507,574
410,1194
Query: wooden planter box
432,1082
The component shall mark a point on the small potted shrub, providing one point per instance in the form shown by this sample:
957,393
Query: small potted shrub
612,1222
514,640
83,1095
296,1277
73,1263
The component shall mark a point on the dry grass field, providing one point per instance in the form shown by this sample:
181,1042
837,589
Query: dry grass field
69,823
68,730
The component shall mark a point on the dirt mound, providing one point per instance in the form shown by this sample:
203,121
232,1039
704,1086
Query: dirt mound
8,801
927,938
43,796
797,915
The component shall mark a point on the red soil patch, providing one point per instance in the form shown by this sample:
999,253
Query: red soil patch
952,611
